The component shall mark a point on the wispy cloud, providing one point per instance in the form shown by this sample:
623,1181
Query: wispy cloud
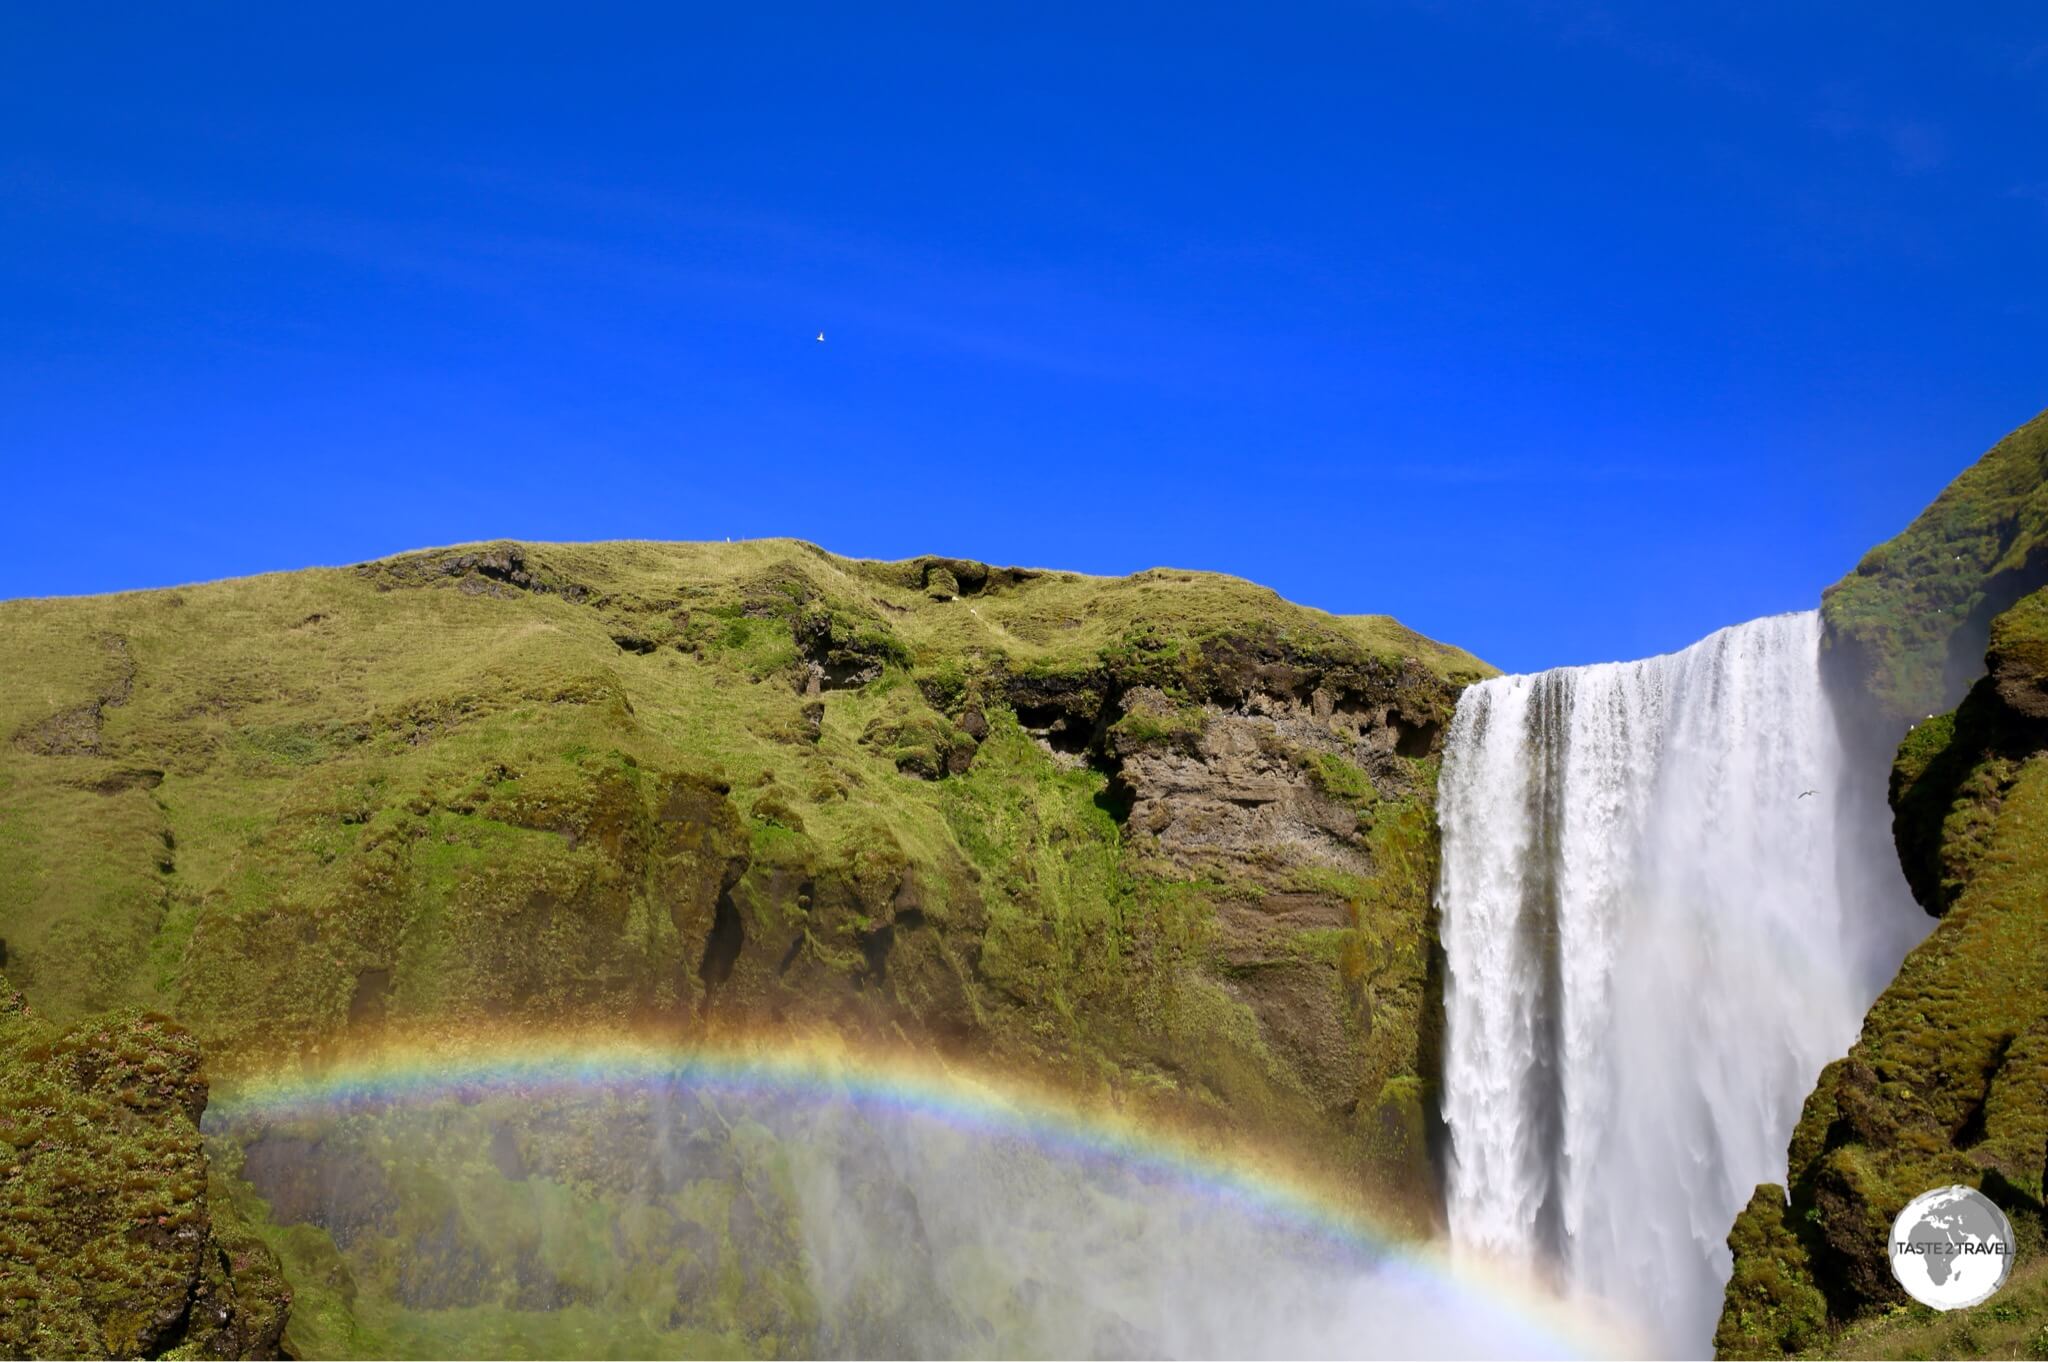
1531,472
2036,193
1598,25
1584,23
1914,146
656,247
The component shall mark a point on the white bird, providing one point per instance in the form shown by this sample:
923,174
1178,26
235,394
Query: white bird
821,338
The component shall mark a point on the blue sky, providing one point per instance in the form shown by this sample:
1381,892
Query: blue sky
1563,332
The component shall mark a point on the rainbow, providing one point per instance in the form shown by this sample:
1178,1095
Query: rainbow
411,1071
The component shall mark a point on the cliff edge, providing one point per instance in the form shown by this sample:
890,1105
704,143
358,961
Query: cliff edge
1948,1082
1167,838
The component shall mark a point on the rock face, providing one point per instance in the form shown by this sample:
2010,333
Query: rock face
1167,836
113,1242
1309,795
1274,774
1949,1081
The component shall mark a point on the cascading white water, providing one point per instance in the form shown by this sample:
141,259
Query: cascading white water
1654,942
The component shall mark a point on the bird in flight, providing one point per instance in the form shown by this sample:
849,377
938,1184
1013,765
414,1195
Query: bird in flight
821,338
1804,793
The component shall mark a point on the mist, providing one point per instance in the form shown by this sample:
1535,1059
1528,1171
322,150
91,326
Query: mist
670,1219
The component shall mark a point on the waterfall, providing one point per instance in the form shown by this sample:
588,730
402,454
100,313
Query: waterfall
1655,939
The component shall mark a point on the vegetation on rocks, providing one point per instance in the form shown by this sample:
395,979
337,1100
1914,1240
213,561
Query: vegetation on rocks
114,1237
1949,1080
1908,628
1166,836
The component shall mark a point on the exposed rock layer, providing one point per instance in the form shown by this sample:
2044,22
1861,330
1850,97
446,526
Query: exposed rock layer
1165,836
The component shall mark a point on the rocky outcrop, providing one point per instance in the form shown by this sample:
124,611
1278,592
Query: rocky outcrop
1168,834
502,569
1939,637
1295,788
114,1238
1955,771
1949,1081
1277,782
2017,661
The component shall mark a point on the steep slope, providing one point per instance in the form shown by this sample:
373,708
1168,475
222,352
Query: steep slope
1166,836
1907,629
1949,1080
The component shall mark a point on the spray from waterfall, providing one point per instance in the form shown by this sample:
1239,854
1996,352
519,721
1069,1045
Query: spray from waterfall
594,1195
1655,937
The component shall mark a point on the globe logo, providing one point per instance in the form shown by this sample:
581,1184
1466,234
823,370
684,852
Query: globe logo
1951,1247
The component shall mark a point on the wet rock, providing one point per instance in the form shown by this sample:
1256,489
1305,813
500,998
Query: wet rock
444,1267
321,1179
696,1265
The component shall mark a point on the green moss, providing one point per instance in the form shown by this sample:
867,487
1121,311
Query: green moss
1948,1082
2014,1323
1910,623
1180,727
1340,780
1057,931
107,1246
2019,638
1772,1306
1924,745
537,785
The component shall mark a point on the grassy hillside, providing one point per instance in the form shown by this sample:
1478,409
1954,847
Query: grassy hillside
1166,836
1908,627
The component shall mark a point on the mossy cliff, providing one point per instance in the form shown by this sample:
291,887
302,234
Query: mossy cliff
1949,1080
115,1238
1166,837
1906,631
